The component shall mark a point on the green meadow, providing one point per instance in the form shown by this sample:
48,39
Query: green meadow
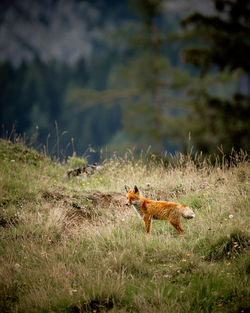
72,245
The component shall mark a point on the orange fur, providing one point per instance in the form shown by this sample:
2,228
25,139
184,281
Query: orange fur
161,210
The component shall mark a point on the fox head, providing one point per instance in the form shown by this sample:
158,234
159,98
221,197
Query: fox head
187,212
133,195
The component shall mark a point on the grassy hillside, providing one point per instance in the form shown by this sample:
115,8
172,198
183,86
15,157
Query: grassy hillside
71,245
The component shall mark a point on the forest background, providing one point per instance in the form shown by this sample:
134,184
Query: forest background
98,77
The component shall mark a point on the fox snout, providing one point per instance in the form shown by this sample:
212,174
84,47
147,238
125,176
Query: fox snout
190,216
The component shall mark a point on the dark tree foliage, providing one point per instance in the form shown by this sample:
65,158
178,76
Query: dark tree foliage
32,99
220,43
140,84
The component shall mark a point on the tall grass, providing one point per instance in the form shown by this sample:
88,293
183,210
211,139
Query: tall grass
73,246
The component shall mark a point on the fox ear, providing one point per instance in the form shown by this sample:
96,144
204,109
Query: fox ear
127,188
136,190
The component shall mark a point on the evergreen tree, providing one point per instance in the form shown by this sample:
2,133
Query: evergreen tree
220,43
144,84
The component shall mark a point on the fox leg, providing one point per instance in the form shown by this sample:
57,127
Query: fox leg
147,221
149,224
177,226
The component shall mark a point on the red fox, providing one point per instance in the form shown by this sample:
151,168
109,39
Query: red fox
161,210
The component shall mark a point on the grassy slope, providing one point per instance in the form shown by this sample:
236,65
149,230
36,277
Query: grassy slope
73,246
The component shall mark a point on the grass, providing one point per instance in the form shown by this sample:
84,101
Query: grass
71,245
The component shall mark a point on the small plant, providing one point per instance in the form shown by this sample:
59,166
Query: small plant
75,161
228,246
76,205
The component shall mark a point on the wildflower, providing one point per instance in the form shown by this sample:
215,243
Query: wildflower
188,254
230,216
228,263
44,177
148,184
165,276
184,260
204,185
67,273
181,291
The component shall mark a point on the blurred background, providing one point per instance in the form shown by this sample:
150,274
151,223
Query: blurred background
98,77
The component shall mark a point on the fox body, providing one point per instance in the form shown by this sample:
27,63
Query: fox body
161,210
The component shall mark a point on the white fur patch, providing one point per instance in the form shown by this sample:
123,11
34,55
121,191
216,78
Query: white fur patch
136,206
136,211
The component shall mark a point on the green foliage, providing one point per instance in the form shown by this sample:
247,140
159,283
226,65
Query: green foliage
75,161
145,85
34,97
16,189
219,34
18,152
228,246
219,119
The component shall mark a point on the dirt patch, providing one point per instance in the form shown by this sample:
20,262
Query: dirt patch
89,207
105,199
52,196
